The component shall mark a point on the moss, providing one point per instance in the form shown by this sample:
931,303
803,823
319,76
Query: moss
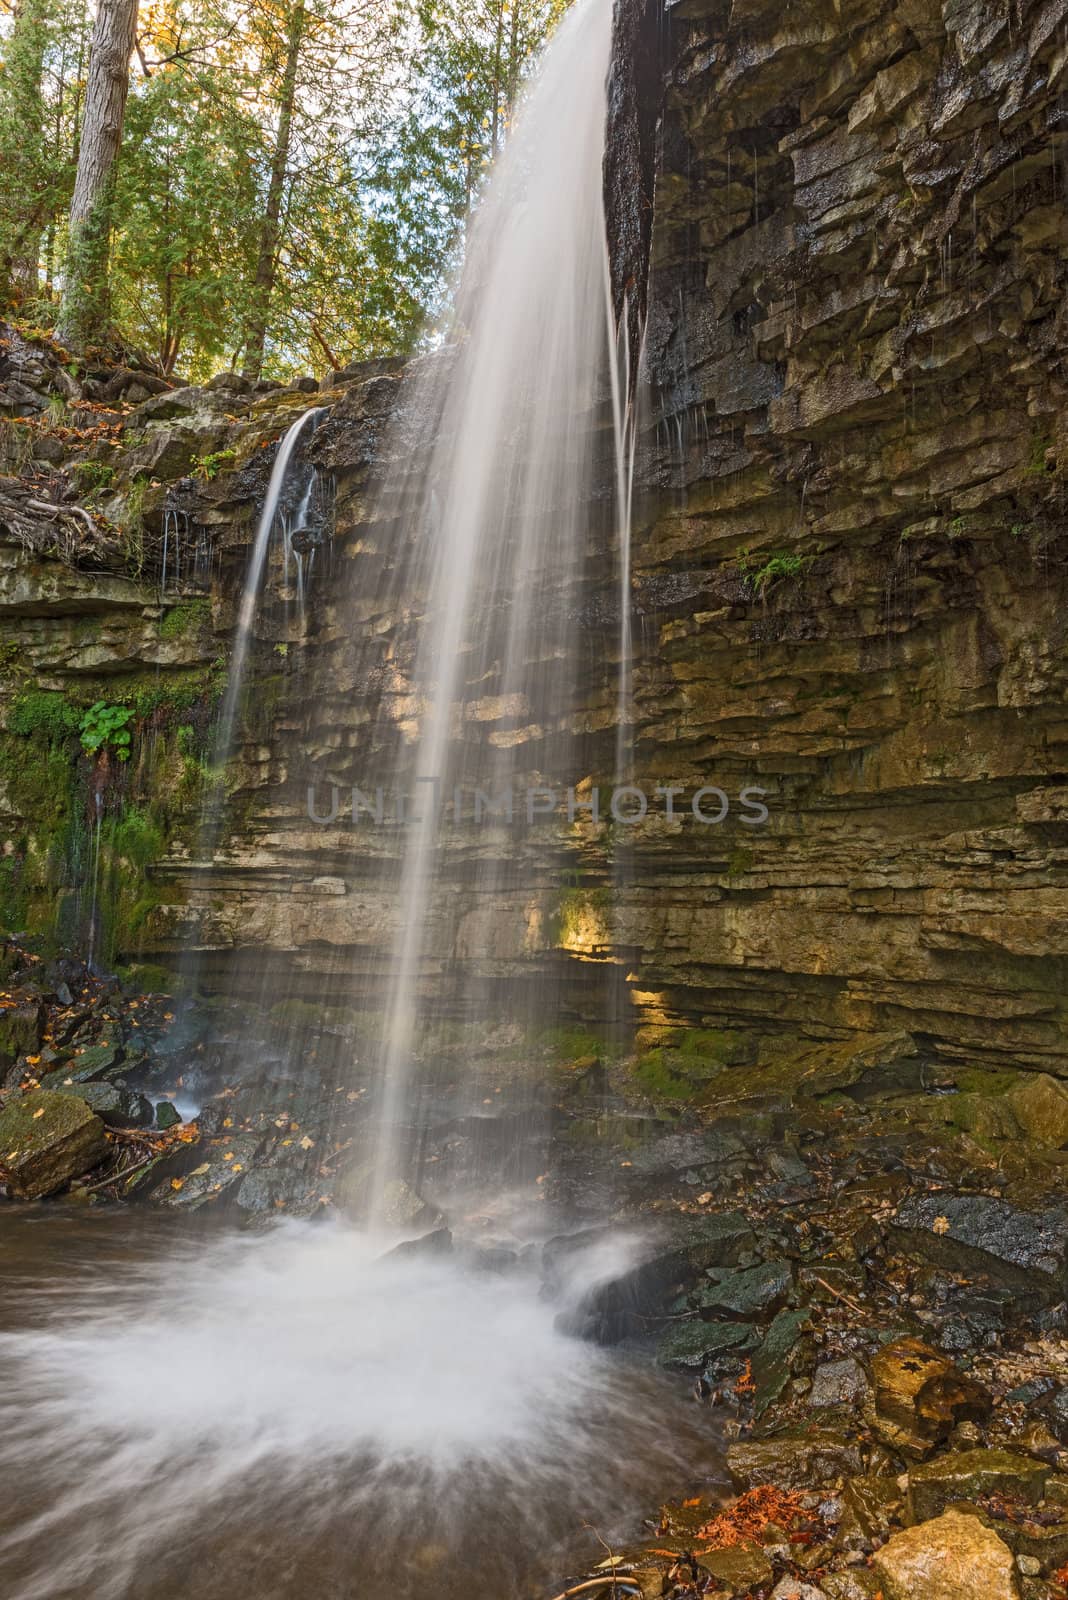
145,977
184,619
137,838
44,712
576,1043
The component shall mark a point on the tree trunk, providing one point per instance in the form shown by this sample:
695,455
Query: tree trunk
85,313
267,259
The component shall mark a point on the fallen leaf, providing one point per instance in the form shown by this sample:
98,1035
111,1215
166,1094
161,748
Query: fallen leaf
306,1143
940,1225
39,1113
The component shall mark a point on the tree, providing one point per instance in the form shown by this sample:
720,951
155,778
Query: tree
85,313
468,62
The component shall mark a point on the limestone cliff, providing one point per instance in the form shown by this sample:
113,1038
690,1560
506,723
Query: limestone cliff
849,575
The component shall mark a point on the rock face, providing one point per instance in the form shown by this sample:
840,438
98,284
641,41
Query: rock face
952,1558
848,558
46,1140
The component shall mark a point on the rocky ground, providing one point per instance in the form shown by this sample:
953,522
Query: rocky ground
857,1259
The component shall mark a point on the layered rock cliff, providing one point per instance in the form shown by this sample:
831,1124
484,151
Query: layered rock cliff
849,583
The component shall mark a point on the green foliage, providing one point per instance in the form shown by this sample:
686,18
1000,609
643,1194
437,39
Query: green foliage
132,524
44,712
93,475
212,464
760,571
105,727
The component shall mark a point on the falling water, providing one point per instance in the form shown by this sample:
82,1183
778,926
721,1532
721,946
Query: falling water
246,611
503,500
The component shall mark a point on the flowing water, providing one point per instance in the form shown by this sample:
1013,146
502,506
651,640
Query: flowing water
293,1417
302,1413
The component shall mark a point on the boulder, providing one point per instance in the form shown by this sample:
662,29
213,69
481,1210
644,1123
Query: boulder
838,1383
776,1359
692,1345
1040,1105
794,1459
919,1396
967,1474
45,1141
20,1031
739,1569
971,1233
118,1108
952,1558
746,1293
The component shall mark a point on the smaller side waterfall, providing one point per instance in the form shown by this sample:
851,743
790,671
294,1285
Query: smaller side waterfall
246,611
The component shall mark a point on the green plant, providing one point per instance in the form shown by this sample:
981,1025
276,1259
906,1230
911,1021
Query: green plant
132,524
105,726
760,573
93,475
209,466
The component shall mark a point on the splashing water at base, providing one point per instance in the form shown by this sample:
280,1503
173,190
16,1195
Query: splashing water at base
295,1415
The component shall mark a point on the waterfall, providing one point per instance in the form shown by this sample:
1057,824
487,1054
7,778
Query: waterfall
246,611
498,512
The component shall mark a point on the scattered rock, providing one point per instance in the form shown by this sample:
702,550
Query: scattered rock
967,1474
746,1293
952,1558
739,1569
20,1031
919,1396
45,1141
794,1460
1040,1105
838,1383
1026,1251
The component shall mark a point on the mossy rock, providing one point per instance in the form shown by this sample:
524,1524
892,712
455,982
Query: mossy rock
45,1141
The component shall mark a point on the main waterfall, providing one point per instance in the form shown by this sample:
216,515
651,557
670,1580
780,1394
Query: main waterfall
500,503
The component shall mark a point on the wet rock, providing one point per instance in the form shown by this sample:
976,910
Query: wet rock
622,1301
95,1062
166,1115
796,1589
45,1141
692,1345
117,1107
919,1396
838,1383
869,1505
1040,1105
216,1175
953,1558
739,1569
855,1584
774,1362
746,1293
1026,1251
438,1242
20,1031
794,1460
967,1474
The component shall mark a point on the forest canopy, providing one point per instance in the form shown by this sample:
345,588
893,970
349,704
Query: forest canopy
279,186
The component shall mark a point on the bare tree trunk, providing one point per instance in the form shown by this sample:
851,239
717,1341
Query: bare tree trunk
267,259
85,312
